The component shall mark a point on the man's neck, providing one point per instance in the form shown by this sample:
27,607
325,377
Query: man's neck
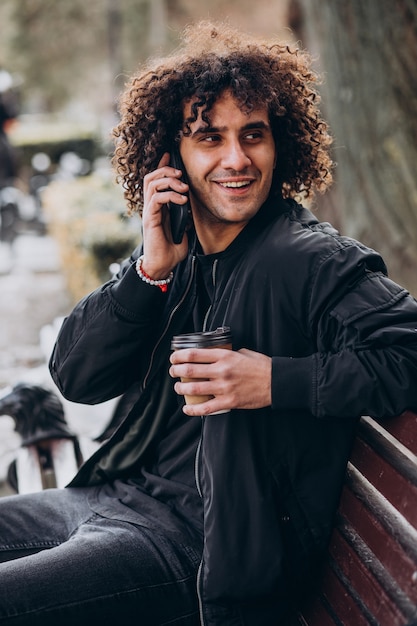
217,238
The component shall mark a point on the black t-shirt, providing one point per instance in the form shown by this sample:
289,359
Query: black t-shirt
164,492
170,478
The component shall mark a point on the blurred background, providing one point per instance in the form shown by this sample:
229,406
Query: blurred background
62,66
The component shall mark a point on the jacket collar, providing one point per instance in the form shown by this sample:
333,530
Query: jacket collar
269,212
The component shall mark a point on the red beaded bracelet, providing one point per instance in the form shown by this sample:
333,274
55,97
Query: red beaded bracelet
162,284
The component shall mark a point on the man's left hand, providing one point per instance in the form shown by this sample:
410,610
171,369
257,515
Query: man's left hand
237,379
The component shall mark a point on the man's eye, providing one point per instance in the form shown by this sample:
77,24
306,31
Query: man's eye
254,135
211,138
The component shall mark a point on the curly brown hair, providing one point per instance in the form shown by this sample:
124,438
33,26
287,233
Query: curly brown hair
214,58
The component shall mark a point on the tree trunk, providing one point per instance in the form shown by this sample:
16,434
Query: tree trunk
114,30
158,26
368,53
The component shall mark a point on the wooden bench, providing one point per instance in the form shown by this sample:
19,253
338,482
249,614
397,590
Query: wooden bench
370,577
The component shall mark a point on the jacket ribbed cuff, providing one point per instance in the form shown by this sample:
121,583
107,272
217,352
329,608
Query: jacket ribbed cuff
293,383
135,295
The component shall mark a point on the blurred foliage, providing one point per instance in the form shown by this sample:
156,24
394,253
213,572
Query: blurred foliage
62,48
73,50
86,217
85,146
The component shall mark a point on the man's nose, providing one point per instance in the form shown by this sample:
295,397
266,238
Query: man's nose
235,156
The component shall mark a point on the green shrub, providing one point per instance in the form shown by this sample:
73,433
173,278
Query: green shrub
86,217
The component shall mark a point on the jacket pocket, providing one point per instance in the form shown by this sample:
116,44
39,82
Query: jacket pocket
375,292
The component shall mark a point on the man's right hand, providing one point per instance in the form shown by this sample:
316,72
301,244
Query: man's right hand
162,185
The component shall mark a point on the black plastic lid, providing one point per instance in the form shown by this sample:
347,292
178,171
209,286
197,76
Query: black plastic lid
207,339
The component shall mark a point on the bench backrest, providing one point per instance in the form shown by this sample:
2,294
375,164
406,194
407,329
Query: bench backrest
371,574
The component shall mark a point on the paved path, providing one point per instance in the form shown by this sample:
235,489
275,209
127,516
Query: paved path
32,294
33,299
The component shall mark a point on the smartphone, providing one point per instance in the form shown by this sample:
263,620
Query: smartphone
178,213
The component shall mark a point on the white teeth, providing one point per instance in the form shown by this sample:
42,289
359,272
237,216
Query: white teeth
242,183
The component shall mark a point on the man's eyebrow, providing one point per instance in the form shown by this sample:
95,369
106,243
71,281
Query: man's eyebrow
205,129
257,125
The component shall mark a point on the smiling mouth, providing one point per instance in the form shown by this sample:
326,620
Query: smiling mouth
235,184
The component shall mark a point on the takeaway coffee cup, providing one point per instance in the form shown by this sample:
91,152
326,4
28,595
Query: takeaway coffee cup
219,338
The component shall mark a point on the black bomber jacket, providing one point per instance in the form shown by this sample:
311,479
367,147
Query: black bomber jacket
343,342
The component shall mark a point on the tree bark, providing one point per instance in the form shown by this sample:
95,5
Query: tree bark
368,53
158,26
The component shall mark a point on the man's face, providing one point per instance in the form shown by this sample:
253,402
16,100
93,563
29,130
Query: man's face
229,164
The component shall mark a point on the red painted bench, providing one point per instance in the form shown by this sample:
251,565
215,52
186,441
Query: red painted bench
370,577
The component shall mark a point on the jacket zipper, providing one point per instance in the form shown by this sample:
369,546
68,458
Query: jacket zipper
213,277
165,330
200,602
198,455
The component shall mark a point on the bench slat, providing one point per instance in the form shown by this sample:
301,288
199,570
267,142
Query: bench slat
371,573
394,486
340,603
378,607
403,428
319,614
389,447
392,520
389,586
398,563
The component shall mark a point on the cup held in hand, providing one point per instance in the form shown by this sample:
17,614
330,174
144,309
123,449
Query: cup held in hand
219,338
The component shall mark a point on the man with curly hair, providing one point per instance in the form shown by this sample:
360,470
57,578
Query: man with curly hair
216,513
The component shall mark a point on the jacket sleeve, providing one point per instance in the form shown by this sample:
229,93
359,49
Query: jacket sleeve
366,357
104,344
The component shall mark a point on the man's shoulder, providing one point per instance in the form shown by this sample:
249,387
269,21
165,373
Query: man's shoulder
295,227
302,219
296,238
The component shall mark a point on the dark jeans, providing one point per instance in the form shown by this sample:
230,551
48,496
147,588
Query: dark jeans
62,564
